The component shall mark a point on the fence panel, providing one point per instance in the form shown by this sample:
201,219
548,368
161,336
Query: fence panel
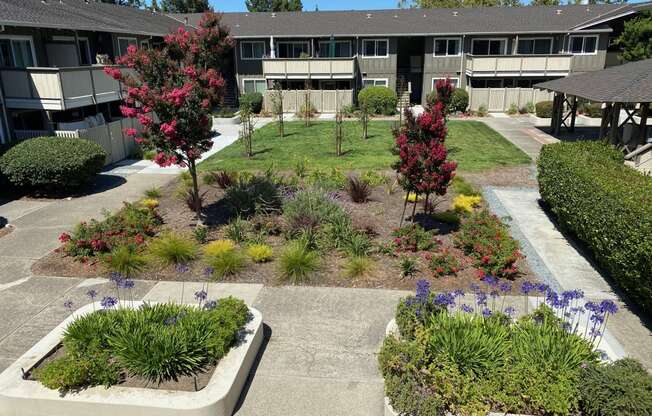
324,101
499,99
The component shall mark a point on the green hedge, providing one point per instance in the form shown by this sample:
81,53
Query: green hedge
607,206
57,163
459,100
544,109
254,100
379,100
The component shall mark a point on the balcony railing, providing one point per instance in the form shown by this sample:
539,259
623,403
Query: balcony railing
517,65
309,68
57,88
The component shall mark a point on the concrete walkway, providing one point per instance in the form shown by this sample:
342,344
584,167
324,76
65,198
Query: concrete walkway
521,132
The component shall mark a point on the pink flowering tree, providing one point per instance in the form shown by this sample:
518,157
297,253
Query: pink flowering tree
171,91
423,166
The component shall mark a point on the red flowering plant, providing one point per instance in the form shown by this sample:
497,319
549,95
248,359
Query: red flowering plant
485,238
130,226
444,89
171,91
442,262
413,238
423,167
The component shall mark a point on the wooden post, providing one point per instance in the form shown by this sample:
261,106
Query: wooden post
552,116
573,113
645,110
615,121
606,118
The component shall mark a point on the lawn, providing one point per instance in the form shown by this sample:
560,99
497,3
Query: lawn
472,144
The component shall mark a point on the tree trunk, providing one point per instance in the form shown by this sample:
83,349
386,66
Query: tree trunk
404,208
192,168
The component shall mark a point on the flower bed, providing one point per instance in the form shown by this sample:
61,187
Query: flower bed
157,359
451,353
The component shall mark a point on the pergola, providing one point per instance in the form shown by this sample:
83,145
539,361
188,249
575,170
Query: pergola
625,87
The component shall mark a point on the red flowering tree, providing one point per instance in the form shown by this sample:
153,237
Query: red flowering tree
171,91
423,167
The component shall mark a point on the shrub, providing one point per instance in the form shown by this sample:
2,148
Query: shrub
374,178
254,100
413,238
356,244
544,109
623,387
260,253
513,109
73,372
378,100
408,265
249,196
413,312
237,230
357,266
485,238
149,203
358,190
332,179
482,111
154,192
459,101
297,262
200,232
226,263
447,217
171,248
466,203
462,187
596,198
593,110
309,210
131,225
442,263
52,163
125,260
186,194
218,247
221,178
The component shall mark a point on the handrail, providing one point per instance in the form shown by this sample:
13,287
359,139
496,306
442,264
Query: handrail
309,59
519,55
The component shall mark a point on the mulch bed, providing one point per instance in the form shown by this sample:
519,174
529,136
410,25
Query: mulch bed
380,214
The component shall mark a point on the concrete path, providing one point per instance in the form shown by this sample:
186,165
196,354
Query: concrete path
564,266
521,132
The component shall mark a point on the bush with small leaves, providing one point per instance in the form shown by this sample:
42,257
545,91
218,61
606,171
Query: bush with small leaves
379,100
125,260
74,372
200,232
260,253
254,100
482,111
250,196
464,204
171,248
357,266
414,238
543,109
358,189
297,263
513,109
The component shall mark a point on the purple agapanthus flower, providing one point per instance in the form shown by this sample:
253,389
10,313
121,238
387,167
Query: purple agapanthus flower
474,287
608,306
527,287
183,268
170,321
505,287
127,284
591,306
494,294
510,311
481,298
458,293
569,295
489,280
116,277
444,299
423,290
108,302
466,308
486,312
92,294
201,295
208,272
597,318
541,287
210,305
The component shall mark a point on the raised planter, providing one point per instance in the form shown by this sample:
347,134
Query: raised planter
539,121
588,121
226,121
218,398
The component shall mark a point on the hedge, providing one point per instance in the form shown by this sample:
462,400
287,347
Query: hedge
459,100
607,206
57,163
379,100
543,109
254,100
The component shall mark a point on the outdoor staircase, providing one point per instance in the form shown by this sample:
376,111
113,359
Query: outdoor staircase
641,159
402,92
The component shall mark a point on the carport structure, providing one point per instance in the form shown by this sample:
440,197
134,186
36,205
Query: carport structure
625,87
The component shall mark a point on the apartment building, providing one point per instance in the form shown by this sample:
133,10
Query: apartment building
506,50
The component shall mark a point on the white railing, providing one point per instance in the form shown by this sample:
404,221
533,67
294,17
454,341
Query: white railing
505,65
58,88
309,68
324,101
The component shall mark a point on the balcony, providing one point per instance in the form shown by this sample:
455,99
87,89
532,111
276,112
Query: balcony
57,88
310,68
518,65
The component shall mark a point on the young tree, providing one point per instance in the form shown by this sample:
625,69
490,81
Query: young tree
274,5
364,120
185,6
247,131
636,39
277,107
171,92
339,120
423,167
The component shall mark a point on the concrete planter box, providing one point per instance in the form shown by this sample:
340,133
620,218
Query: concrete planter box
392,328
540,122
228,121
588,121
218,398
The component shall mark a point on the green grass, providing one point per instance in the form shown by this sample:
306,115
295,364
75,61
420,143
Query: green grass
472,144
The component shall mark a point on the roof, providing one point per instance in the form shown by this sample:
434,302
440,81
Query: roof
628,83
397,22
85,15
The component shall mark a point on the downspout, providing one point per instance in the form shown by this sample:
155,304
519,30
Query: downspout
462,60
4,133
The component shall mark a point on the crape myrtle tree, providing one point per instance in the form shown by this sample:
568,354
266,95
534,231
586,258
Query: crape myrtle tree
423,167
171,91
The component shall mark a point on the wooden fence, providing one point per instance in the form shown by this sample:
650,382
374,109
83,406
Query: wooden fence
500,99
324,101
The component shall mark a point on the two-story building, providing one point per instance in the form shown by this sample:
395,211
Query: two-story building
52,56
504,49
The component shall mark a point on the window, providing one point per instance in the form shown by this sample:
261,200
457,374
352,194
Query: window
293,49
447,47
144,44
375,82
124,43
583,45
342,49
252,50
255,85
84,47
17,52
542,46
489,47
375,48
454,81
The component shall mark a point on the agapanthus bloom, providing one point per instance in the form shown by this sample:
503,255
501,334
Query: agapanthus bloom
108,302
